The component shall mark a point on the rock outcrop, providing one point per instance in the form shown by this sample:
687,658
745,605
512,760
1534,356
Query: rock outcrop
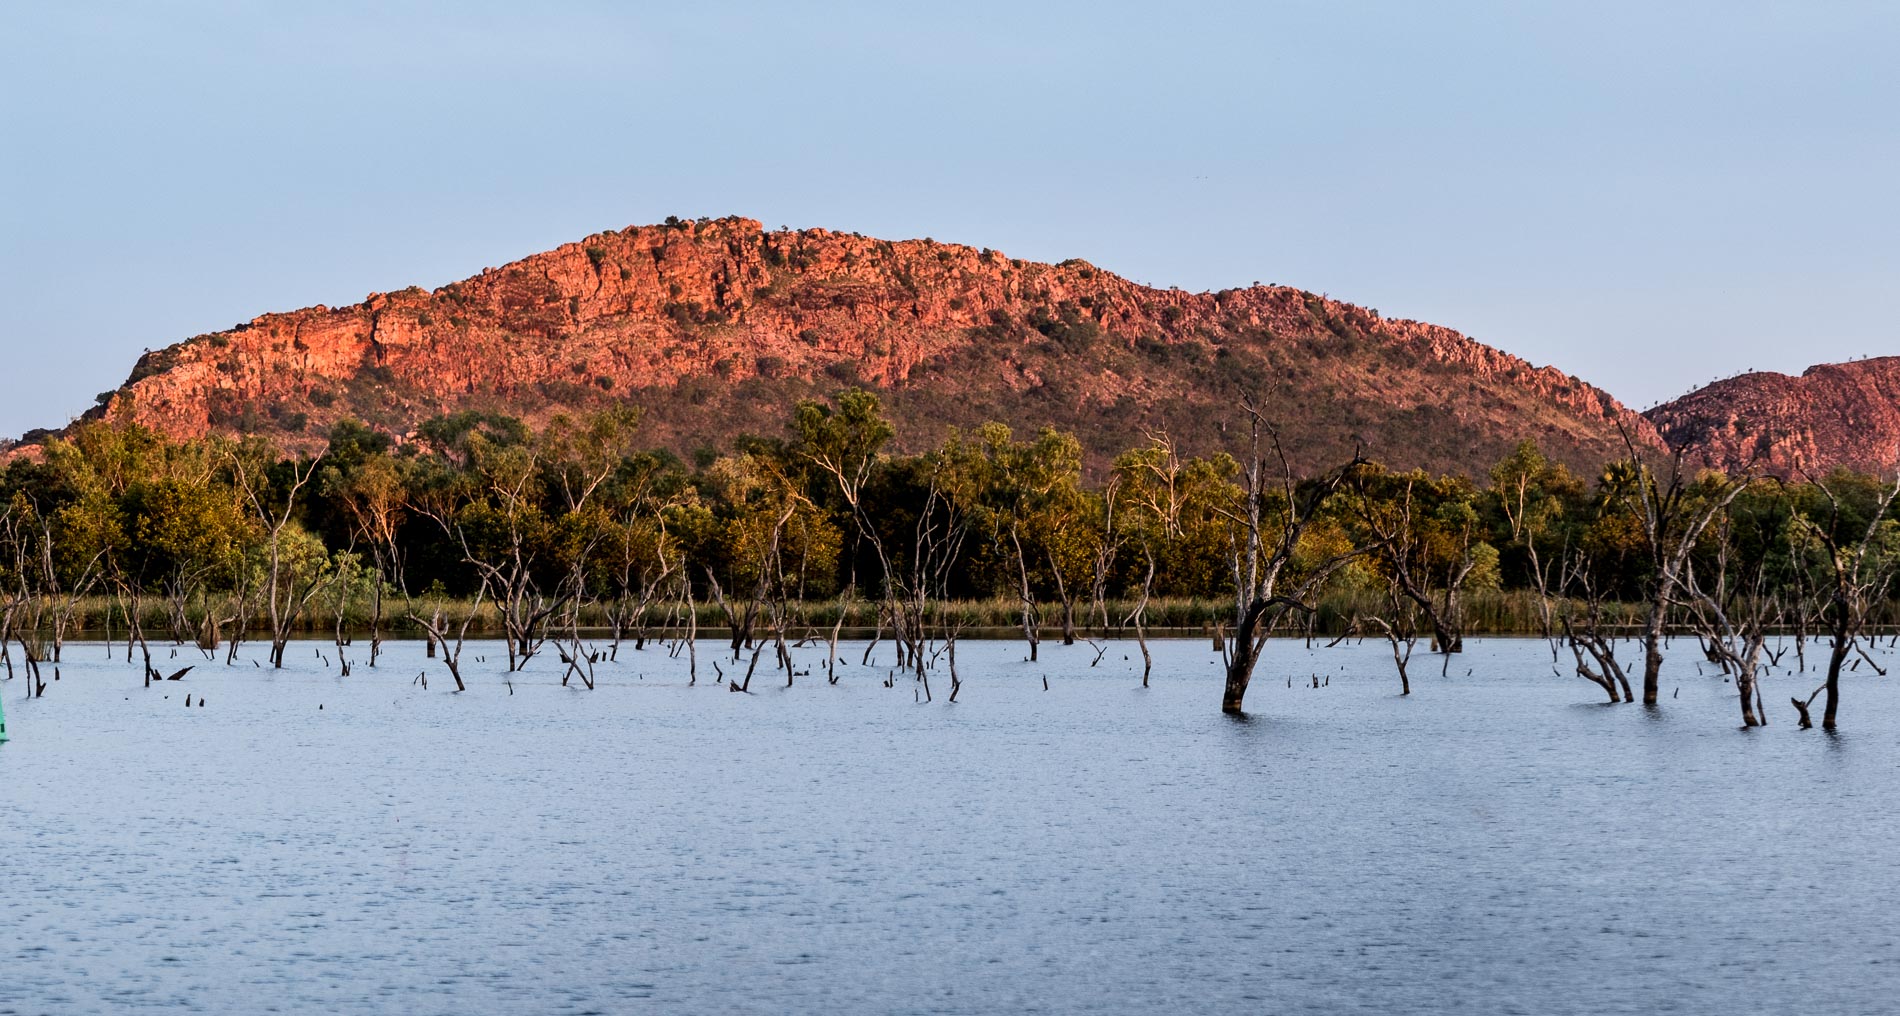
717,327
1833,415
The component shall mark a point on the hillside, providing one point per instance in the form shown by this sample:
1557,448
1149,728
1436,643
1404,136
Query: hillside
717,327
1834,414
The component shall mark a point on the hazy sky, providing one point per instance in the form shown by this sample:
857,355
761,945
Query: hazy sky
1646,195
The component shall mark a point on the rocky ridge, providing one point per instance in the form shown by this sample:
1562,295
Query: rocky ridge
1834,414
715,327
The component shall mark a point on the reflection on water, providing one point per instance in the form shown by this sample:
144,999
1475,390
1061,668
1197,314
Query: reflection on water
1493,843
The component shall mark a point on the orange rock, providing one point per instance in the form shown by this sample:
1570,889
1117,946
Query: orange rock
716,327
1834,414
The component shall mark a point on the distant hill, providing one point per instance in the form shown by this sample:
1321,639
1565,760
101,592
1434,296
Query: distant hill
1834,414
716,327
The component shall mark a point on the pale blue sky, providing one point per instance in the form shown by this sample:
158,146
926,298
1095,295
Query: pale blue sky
1644,194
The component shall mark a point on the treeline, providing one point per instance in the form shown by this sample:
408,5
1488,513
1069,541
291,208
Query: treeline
213,541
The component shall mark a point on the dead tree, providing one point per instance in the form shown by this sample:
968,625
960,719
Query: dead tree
843,445
1587,635
374,500
508,559
1522,485
936,546
288,589
653,579
1030,611
1673,513
1733,616
1264,533
1400,630
1138,615
1155,490
1394,530
1105,551
438,629
1853,576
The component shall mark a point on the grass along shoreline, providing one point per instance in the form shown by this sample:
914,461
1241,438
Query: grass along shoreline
1488,613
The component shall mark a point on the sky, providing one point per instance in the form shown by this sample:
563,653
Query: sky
1647,195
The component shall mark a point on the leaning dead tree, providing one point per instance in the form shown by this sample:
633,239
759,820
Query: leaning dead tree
1265,526
1733,613
1588,635
1852,576
1399,624
438,629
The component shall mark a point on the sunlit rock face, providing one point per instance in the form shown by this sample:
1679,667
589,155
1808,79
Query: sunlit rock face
717,327
1833,415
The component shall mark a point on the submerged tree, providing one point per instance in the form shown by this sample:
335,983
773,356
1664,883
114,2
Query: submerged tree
1852,566
1267,519
295,564
1429,551
1734,610
1672,512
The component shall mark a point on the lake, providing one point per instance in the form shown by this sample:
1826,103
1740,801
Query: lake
1497,842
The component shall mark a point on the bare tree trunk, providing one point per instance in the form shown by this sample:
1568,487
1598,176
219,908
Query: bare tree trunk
1832,704
1652,649
1241,658
1140,618
1031,622
1745,687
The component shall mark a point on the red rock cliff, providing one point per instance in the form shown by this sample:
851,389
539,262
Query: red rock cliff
716,326
1835,414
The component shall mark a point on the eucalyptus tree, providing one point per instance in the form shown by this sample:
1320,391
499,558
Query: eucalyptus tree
753,504
1145,487
295,564
643,556
188,532
581,460
842,446
1159,498
89,476
1031,495
773,543
495,515
1531,492
915,512
372,489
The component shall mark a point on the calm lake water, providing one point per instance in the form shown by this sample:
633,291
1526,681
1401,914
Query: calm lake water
1498,842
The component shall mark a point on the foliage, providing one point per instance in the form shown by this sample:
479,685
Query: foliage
581,511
